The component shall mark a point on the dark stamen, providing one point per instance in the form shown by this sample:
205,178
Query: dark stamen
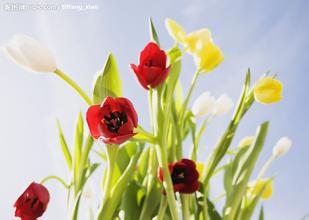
115,120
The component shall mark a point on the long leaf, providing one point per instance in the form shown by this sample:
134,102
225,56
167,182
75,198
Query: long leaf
64,146
153,33
108,82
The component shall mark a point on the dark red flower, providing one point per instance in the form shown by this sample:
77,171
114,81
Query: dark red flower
32,203
184,176
152,70
113,121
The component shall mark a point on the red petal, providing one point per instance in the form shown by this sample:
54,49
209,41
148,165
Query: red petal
128,109
93,120
139,76
118,139
159,80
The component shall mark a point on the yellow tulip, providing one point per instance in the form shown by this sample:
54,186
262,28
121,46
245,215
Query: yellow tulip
246,141
268,90
200,169
208,57
175,31
256,186
197,39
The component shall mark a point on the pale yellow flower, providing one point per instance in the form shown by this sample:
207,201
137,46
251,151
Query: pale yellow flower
256,186
246,141
209,57
175,31
199,44
268,90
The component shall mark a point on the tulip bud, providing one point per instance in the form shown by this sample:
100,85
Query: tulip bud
203,105
268,90
175,31
223,105
282,146
30,54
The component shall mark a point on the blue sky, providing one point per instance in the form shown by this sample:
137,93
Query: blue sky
263,35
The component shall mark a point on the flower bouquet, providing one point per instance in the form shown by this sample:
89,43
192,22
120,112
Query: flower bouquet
147,174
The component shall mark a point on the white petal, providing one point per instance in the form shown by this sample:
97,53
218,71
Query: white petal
30,54
282,146
203,105
223,105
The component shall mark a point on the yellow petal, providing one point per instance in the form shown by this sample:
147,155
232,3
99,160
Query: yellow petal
268,90
200,168
258,185
209,57
175,31
197,39
246,141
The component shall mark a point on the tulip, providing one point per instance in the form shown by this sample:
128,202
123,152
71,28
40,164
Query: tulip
32,203
256,186
203,105
113,121
246,141
268,90
184,176
206,54
200,169
282,146
151,71
30,54
223,105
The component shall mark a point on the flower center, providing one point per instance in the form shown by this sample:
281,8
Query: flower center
178,176
115,120
32,200
149,63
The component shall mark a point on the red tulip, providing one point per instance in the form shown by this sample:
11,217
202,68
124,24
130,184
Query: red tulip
151,71
32,203
184,176
113,121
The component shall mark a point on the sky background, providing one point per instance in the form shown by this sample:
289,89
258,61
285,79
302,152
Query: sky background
263,35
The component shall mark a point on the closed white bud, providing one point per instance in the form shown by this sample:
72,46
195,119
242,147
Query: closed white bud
203,105
282,146
30,54
223,105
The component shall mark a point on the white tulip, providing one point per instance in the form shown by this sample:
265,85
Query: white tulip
282,146
223,105
30,54
203,105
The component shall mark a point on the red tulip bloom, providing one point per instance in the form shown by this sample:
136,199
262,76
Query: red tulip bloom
32,203
113,121
184,176
151,71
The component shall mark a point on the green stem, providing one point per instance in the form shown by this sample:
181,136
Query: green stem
186,102
73,84
163,205
55,178
266,166
112,152
185,206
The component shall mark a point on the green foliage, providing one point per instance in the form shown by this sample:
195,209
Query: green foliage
108,82
153,33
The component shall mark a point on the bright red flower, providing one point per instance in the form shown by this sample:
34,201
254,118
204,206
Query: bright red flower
151,71
32,203
184,176
113,121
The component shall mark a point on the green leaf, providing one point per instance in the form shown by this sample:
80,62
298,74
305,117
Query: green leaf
143,163
178,96
64,147
241,182
174,54
153,33
108,82
212,212
261,216
129,203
